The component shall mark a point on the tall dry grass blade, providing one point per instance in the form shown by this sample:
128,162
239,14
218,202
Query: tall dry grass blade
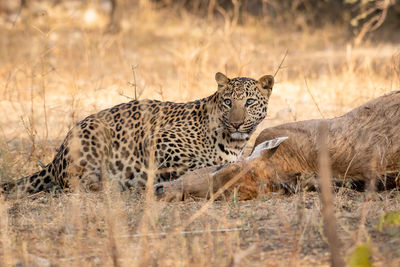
112,243
217,194
372,176
326,195
134,84
280,64
313,99
150,210
5,241
210,9
43,88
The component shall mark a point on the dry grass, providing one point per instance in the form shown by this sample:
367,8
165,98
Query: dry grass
59,66
105,229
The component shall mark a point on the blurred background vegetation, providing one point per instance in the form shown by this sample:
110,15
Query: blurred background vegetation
355,16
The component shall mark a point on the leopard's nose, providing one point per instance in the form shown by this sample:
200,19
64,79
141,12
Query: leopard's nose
237,124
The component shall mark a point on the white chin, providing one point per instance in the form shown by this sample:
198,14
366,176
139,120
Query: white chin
239,136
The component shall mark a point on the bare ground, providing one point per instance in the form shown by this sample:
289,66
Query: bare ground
278,230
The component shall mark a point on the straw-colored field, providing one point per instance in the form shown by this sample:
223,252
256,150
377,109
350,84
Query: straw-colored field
58,65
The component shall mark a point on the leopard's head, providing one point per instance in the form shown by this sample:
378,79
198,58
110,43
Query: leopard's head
242,103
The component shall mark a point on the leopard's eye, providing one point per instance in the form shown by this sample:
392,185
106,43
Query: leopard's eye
250,101
228,102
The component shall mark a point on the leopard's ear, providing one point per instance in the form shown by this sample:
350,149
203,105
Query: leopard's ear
221,79
266,83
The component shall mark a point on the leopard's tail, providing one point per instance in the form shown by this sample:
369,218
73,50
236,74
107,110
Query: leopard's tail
44,180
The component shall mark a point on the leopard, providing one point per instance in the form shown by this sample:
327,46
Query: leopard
130,142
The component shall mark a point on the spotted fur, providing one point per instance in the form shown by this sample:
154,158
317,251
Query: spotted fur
122,143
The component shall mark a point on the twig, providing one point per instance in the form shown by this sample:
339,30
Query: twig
41,164
313,99
121,94
347,169
210,10
214,196
375,22
280,65
43,85
242,254
161,92
22,4
194,232
134,80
